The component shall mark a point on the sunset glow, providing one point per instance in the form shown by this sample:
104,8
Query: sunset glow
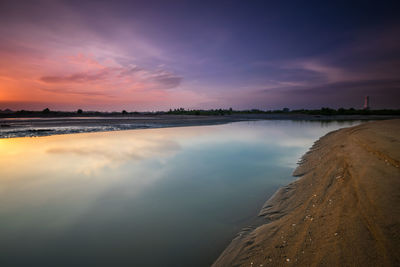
131,55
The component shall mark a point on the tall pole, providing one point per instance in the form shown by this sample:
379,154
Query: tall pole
366,102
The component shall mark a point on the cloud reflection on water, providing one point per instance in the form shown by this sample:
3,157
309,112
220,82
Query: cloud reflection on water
61,190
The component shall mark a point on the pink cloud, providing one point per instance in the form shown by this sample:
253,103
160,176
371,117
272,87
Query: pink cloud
77,77
329,73
123,76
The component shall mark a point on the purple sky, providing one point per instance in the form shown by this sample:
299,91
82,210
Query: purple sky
156,55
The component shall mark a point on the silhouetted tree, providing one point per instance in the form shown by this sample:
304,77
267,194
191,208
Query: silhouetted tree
124,112
46,110
80,111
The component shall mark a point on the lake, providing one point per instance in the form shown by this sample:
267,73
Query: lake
153,197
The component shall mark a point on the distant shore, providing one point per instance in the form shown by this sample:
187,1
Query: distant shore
45,124
343,211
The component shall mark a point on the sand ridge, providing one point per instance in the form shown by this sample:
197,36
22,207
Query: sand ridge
344,210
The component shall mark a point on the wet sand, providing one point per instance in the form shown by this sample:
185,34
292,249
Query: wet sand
47,125
344,210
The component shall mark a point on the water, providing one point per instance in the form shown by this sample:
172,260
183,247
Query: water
154,197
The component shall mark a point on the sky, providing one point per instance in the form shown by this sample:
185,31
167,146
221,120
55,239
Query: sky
156,55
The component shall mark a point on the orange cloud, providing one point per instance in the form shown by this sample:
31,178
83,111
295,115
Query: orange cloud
83,81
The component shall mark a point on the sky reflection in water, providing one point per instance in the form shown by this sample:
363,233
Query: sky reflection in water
173,196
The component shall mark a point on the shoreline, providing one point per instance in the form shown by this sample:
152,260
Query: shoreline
46,126
343,210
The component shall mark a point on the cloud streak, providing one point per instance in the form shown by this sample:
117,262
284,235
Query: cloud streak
157,79
76,78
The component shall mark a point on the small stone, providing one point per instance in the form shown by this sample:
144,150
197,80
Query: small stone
336,234
287,260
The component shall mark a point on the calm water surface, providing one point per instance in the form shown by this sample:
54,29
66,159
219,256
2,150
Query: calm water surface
156,197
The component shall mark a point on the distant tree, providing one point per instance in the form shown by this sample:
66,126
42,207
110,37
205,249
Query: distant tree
286,110
46,110
80,111
327,111
124,112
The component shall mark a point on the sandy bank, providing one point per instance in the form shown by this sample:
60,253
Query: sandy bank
343,211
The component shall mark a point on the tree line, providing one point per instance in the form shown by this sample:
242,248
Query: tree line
325,111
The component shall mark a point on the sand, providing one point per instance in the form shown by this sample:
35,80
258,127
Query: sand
344,210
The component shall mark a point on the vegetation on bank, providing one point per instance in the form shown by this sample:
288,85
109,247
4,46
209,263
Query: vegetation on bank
210,112
322,111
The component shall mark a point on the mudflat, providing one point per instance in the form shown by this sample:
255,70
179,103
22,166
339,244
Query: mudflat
344,210
52,125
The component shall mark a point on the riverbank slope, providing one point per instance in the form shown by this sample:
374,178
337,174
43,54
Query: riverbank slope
343,211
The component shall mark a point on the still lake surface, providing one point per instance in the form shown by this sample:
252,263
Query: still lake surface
154,197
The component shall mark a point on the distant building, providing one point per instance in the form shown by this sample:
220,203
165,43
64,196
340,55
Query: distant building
366,102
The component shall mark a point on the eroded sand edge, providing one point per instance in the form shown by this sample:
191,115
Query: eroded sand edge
343,211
